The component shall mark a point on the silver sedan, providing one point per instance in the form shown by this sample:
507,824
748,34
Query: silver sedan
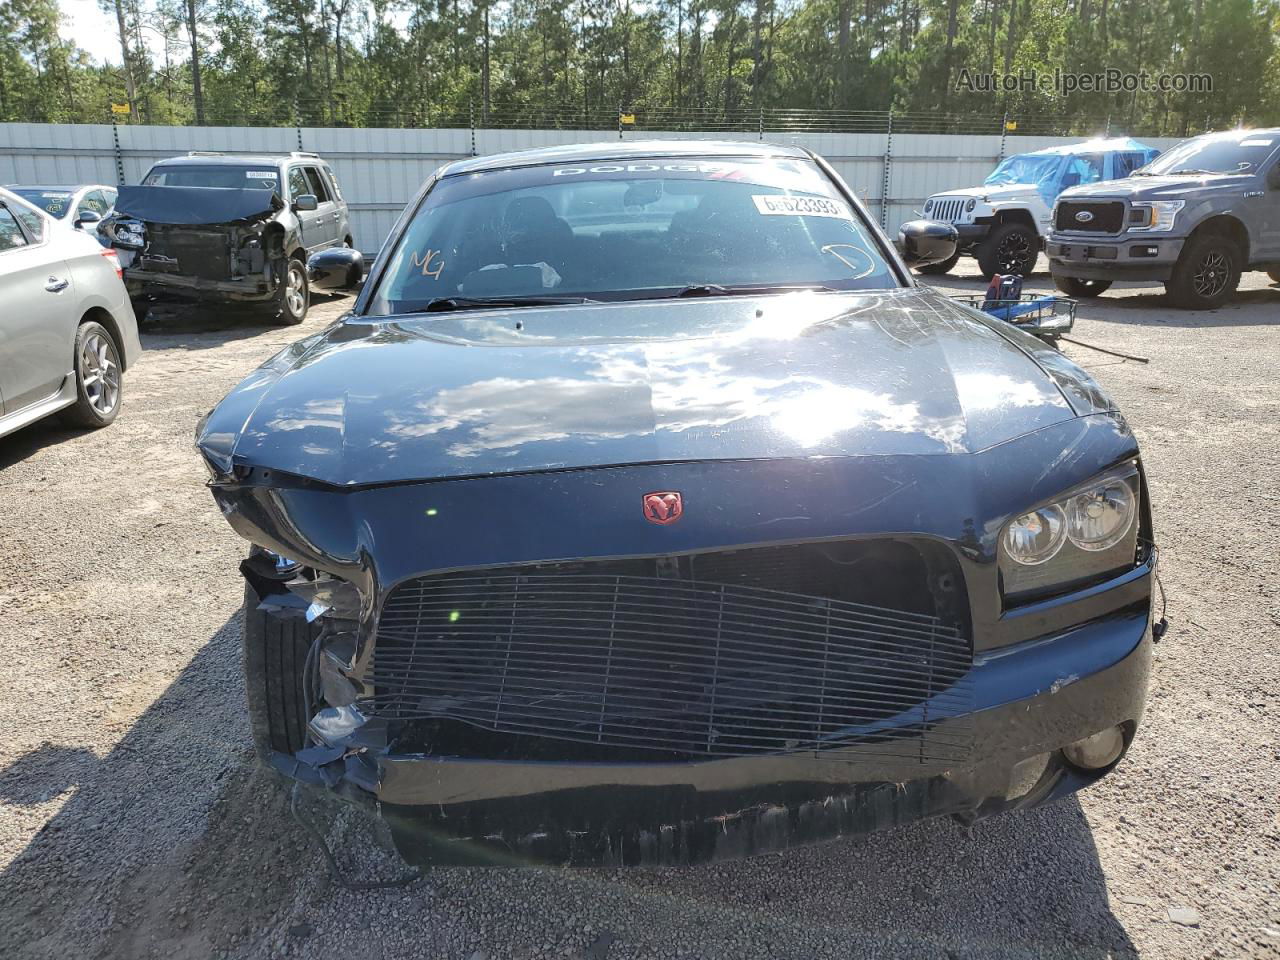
67,331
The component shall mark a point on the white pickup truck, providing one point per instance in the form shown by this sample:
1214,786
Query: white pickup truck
1005,222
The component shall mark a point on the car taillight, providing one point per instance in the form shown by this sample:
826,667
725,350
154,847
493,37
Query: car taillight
114,257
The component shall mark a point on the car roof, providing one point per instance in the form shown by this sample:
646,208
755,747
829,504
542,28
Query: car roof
233,160
625,150
65,187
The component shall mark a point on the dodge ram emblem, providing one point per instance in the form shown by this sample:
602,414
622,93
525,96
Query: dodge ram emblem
1084,216
664,506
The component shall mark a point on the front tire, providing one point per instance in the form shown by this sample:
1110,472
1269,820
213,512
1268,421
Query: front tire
1010,248
1206,274
294,296
1081,289
99,385
275,649
937,269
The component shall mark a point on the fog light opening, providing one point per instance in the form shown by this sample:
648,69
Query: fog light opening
1097,751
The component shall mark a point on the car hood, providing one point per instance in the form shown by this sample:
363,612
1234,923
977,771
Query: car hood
808,375
1007,191
195,205
1157,188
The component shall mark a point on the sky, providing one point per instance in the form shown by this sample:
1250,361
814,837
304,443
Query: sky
84,24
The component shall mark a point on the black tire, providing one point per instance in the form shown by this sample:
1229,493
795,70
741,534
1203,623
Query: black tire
1081,289
286,309
937,269
1206,274
141,306
1009,248
1274,275
275,649
99,378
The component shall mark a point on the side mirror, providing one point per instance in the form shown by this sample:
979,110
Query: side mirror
87,218
338,268
927,241
305,201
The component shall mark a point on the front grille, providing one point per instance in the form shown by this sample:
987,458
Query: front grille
183,250
948,211
1107,216
666,665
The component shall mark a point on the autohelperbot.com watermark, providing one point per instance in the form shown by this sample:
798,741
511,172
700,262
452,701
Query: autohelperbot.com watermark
1062,82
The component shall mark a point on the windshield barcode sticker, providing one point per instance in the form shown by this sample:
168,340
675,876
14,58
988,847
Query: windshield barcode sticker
260,174
1255,143
775,204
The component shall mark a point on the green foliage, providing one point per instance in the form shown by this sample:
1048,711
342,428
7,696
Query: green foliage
674,63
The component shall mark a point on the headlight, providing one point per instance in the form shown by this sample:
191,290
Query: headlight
1035,537
1154,216
1100,516
970,205
928,205
1083,535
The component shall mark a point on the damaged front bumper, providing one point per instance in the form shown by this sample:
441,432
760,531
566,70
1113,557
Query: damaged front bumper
1029,702
247,289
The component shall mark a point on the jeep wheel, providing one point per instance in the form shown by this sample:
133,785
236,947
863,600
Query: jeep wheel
1011,248
1206,274
937,269
1081,289
293,297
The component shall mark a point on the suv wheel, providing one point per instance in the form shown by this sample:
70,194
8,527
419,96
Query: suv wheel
99,389
1010,248
294,296
937,269
275,650
1206,274
1081,289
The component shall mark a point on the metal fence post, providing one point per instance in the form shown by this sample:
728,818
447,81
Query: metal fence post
471,121
762,123
619,119
1004,133
1108,130
888,166
115,139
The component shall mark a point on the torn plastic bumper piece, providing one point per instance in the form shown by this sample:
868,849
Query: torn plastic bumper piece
1031,700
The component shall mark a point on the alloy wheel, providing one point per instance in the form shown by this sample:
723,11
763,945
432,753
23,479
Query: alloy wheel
295,297
1212,273
100,373
1013,253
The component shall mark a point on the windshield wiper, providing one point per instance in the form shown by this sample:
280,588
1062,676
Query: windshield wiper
1191,172
719,290
442,304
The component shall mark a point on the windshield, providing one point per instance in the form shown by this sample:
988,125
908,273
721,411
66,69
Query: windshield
56,203
1237,152
630,230
214,175
1024,168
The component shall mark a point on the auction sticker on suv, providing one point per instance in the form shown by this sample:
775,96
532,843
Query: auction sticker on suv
776,204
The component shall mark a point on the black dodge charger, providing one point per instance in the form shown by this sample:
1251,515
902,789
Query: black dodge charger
644,509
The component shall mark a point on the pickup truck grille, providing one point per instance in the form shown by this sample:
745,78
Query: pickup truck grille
675,668
1104,216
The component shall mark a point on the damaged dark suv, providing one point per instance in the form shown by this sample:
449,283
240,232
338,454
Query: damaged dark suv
217,228
644,509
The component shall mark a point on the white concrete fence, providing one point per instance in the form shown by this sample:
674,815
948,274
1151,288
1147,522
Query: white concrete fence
379,169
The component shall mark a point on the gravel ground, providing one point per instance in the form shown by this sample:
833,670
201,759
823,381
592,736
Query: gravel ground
133,822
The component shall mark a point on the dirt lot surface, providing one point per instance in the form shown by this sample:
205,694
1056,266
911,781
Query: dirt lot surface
134,824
